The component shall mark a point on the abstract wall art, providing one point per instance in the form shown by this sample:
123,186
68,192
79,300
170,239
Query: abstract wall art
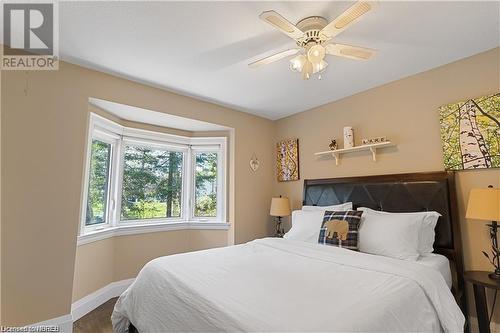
470,133
287,160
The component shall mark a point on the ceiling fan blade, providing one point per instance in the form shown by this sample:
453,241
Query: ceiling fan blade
273,58
281,23
347,18
349,51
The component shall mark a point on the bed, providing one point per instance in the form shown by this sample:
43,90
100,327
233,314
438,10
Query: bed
273,284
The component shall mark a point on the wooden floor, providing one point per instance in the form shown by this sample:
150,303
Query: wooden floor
97,321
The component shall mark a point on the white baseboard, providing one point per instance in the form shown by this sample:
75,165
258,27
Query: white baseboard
86,304
90,302
474,326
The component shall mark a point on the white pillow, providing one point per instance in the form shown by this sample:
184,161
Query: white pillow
340,207
429,221
306,226
427,224
390,235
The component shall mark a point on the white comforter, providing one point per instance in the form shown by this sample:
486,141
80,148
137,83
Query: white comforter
271,285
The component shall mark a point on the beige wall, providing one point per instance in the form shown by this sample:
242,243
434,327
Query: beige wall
406,112
44,120
94,267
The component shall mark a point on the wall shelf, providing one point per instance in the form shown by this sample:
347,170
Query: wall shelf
372,148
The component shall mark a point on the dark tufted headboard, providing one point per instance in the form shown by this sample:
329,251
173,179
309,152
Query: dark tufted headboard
412,192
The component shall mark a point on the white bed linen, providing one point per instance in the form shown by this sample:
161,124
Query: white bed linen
439,263
272,284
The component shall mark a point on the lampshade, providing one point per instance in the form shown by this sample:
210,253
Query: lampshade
280,207
484,204
316,54
319,67
307,70
297,63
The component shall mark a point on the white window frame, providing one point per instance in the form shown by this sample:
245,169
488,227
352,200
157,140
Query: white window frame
220,150
106,133
119,136
159,146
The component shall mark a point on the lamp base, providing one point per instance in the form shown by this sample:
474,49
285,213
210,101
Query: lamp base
496,258
279,230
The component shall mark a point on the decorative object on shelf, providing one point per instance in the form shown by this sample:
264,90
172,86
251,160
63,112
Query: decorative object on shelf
333,144
287,160
348,137
254,163
370,141
475,142
484,204
280,207
372,148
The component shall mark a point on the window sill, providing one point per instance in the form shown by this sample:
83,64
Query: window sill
135,229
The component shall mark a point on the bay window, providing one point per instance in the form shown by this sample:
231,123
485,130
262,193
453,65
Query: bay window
142,178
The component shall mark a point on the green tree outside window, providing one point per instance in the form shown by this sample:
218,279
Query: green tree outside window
98,183
152,183
206,185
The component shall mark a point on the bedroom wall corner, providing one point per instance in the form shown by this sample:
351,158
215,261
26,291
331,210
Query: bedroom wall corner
248,183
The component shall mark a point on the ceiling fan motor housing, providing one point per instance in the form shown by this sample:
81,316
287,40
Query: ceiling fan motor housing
311,26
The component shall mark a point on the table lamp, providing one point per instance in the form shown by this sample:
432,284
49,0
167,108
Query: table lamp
280,207
484,204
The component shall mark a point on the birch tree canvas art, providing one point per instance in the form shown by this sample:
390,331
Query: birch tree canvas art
470,133
287,160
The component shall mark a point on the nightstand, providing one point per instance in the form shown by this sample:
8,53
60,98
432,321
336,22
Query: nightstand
480,280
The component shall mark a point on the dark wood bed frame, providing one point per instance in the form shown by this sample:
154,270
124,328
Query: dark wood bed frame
410,192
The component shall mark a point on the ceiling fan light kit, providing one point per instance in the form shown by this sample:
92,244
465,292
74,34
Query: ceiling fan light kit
313,35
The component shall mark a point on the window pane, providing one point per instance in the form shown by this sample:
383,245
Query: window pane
152,183
206,185
98,183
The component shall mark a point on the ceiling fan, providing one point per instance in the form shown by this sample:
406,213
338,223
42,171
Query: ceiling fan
313,36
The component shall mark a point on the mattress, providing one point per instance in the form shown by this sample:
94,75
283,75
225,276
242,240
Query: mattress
440,263
273,285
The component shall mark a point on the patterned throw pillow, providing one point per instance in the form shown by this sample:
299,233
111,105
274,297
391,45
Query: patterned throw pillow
340,229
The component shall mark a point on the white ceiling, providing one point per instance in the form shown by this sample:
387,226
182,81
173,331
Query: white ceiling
150,117
202,49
